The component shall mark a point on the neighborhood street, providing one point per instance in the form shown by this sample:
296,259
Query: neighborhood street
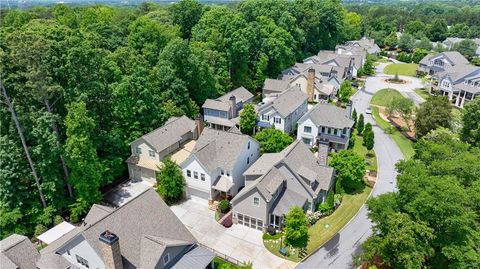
338,252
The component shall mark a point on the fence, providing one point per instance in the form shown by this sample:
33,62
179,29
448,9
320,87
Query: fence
224,256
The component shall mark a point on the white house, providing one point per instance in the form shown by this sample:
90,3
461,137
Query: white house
283,110
326,124
218,160
460,83
149,150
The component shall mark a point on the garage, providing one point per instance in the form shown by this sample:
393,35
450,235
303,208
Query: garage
249,221
197,193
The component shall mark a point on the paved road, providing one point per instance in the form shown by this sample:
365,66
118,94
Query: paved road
338,252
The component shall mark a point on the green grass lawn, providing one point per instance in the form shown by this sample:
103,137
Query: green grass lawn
223,264
384,96
405,144
423,93
382,60
362,150
401,69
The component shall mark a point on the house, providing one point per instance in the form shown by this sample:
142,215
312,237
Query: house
215,166
461,83
358,53
450,42
365,43
143,233
432,64
278,181
149,150
351,63
18,252
223,113
326,124
283,110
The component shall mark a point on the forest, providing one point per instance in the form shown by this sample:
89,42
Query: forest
80,83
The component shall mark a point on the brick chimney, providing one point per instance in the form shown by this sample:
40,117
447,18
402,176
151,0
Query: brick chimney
110,248
199,125
349,108
310,83
233,101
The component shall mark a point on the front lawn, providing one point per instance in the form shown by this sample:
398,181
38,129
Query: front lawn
423,93
370,158
223,264
325,228
401,69
405,144
384,96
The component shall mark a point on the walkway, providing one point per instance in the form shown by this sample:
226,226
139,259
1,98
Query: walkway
338,252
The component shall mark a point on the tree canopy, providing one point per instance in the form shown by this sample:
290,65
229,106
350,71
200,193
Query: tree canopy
435,112
273,140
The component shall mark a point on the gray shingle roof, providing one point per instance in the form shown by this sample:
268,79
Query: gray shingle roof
455,57
459,71
217,148
275,85
18,252
288,101
198,257
328,115
170,133
145,215
286,201
216,104
223,102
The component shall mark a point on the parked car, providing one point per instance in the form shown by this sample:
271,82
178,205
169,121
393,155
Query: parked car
368,111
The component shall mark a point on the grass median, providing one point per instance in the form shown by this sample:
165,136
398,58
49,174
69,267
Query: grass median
401,69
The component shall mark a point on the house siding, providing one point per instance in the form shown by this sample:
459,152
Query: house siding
79,246
245,206
241,166
194,166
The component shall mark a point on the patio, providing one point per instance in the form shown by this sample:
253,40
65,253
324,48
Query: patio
238,242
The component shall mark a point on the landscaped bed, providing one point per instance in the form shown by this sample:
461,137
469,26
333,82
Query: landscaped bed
401,69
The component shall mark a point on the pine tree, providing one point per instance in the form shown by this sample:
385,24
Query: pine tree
354,117
360,124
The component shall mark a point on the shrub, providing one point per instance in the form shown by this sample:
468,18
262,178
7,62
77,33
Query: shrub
267,236
224,206
324,208
57,220
338,199
40,229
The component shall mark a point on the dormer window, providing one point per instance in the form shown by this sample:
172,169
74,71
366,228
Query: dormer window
166,258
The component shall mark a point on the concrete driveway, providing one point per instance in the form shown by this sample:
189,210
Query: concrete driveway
238,242
338,252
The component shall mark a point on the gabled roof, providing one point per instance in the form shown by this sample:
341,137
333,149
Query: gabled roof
170,133
458,72
275,85
144,215
223,102
216,148
455,57
328,115
18,252
287,102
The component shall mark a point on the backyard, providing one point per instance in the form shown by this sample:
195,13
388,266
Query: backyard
401,69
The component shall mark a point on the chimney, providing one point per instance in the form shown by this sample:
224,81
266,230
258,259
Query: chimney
349,108
199,124
233,101
110,248
310,83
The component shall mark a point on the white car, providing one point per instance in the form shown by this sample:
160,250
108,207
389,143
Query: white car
368,111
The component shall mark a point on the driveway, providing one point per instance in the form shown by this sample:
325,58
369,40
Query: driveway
238,242
338,252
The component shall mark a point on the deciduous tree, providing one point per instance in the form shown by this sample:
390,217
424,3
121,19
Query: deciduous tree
296,226
273,140
170,181
248,119
435,112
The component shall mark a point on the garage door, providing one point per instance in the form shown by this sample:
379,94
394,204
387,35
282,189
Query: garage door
250,222
197,193
148,175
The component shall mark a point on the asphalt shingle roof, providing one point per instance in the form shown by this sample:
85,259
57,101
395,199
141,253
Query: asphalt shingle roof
288,101
18,252
328,115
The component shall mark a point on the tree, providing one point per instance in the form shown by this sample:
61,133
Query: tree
368,138
406,42
345,91
360,124
403,107
273,140
435,112
350,169
82,158
415,28
466,47
170,181
354,117
186,13
470,131
352,30
248,119
331,199
296,227
437,31
391,40
424,43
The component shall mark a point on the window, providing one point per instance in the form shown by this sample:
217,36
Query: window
265,117
138,150
256,201
228,173
202,176
323,129
307,141
222,172
335,131
166,258
307,129
248,160
278,120
82,261
195,175
151,153
248,146
344,131
189,173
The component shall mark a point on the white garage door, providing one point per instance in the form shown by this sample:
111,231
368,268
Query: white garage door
148,175
197,193
249,221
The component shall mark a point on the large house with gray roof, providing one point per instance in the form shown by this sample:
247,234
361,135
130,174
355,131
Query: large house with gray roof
368,44
223,113
278,181
436,63
282,111
143,233
326,124
461,83
149,150
214,168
